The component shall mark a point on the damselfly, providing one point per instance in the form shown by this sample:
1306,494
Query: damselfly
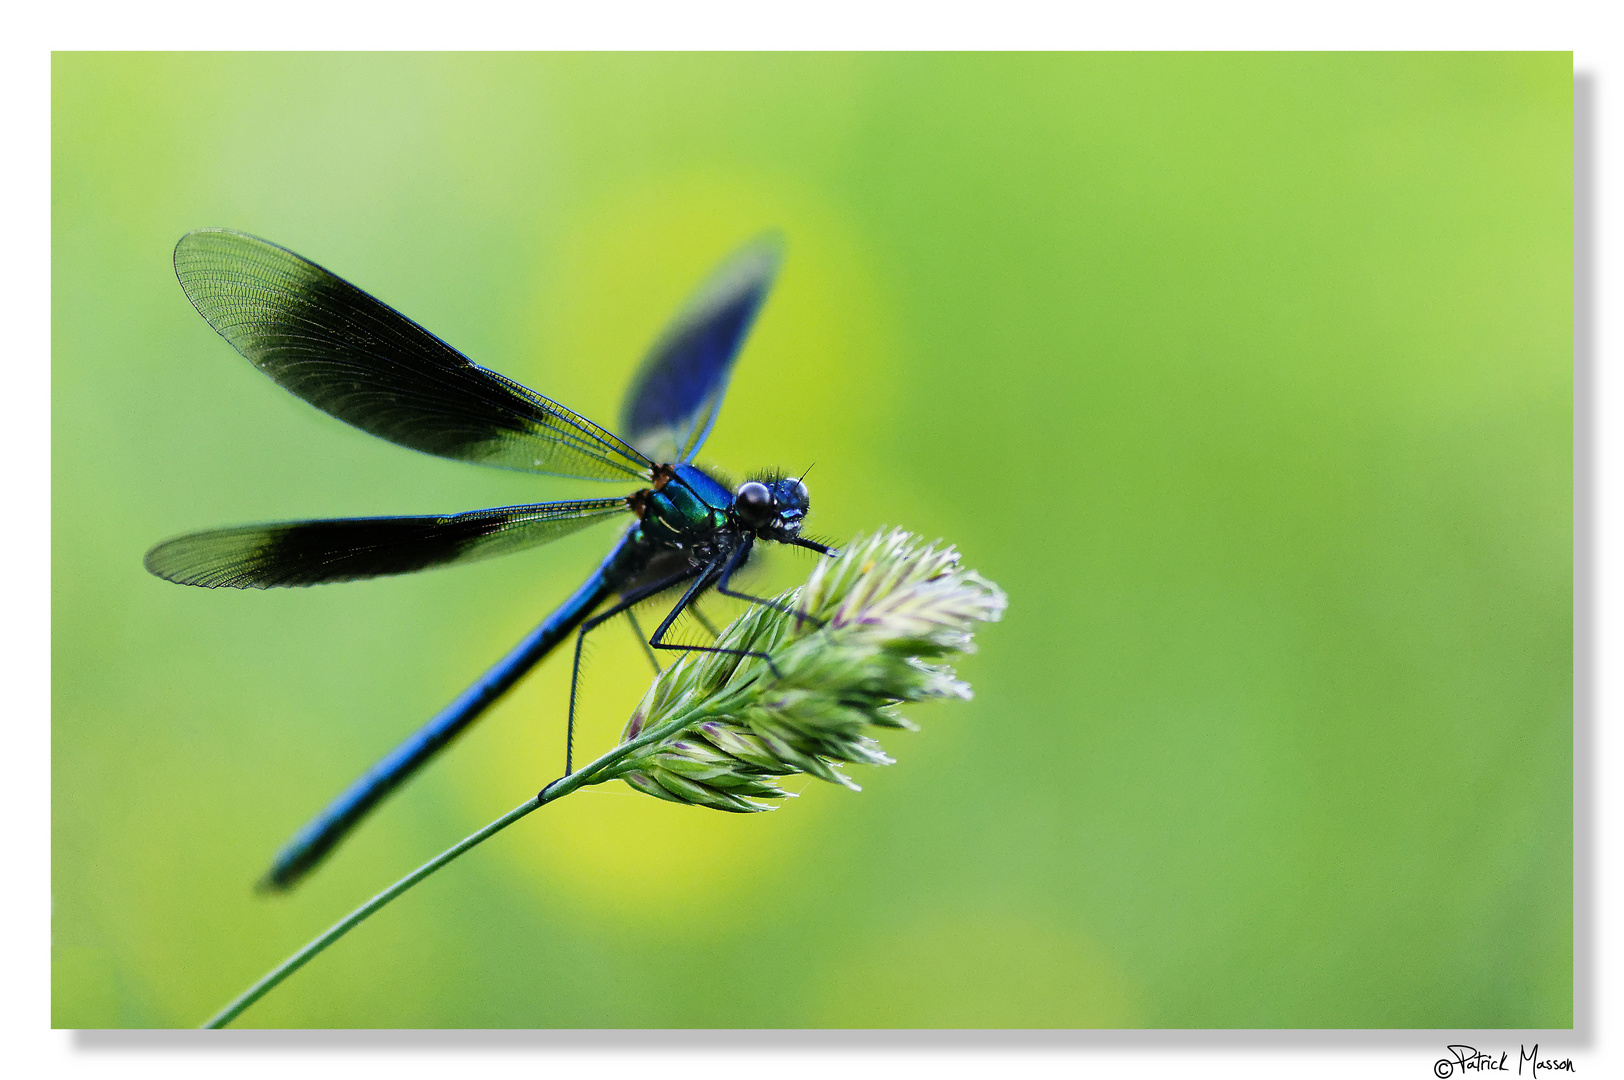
360,360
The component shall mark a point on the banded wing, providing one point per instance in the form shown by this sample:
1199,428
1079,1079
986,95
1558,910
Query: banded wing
356,358
672,404
348,549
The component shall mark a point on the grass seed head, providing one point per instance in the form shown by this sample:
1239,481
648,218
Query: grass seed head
872,628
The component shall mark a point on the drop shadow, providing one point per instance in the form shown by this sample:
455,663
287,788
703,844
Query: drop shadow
1584,558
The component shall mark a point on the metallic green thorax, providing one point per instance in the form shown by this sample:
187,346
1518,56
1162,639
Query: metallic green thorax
689,506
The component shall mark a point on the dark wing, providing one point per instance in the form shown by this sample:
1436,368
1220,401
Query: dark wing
359,359
672,403
347,549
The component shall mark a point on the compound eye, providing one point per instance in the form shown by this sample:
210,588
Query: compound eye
754,501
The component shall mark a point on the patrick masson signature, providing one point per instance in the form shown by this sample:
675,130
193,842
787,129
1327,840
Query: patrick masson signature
1468,1059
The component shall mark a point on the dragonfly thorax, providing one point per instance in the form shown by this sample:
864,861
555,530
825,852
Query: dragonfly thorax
685,506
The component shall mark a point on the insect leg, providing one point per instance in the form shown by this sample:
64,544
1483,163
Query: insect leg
811,545
627,602
688,597
727,575
637,628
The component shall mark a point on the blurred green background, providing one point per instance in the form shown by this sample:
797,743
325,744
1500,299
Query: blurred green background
1248,378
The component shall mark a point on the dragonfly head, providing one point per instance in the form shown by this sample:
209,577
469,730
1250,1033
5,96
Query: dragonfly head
774,508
